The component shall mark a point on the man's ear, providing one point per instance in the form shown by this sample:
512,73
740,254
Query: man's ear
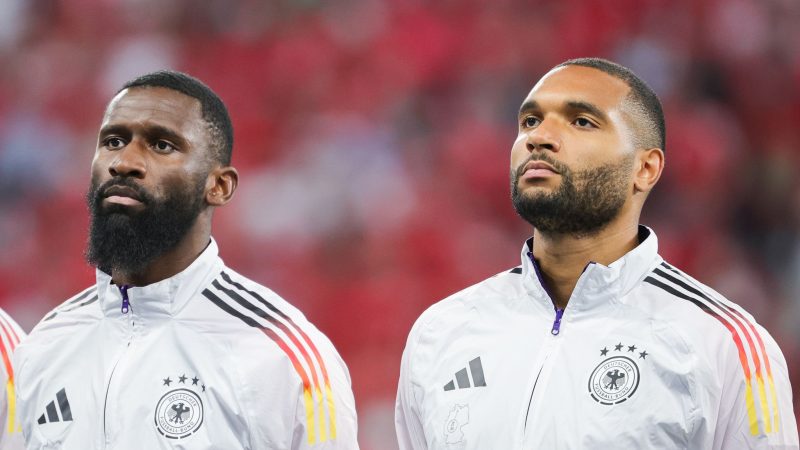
649,165
221,184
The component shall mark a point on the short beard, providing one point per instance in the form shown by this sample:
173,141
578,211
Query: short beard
583,204
128,242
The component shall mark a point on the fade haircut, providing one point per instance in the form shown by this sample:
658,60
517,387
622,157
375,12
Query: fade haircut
214,111
644,103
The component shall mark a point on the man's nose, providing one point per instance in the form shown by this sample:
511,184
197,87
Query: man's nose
129,161
544,137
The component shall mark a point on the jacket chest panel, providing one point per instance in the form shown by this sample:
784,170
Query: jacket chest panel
613,386
143,390
603,382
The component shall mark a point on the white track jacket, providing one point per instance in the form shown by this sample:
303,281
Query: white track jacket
206,359
11,432
642,357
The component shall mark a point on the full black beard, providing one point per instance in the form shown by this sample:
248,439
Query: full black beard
583,204
128,242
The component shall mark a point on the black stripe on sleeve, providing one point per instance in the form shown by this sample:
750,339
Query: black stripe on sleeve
83,295
228,309
255,295
682,283
73,308
681,295
517,270
247,305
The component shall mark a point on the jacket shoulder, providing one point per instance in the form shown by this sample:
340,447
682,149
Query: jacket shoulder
260,326
500,285
455,309
79,308
266,335
704,317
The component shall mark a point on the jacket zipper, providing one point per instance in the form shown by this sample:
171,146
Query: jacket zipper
555,330
124,309
557,323
126,304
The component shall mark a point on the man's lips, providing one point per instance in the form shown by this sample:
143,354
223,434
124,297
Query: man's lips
538,169
122,195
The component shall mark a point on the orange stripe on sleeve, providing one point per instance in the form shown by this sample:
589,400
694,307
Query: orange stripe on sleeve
328,391
773,395
307,394
15,341
762,395
9,385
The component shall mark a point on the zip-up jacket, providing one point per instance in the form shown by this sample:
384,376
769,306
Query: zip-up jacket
206,359
11,432
642,357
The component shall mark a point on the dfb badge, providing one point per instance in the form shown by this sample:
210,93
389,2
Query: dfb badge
179,412
616,378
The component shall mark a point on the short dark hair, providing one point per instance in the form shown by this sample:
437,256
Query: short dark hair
644,100
214,111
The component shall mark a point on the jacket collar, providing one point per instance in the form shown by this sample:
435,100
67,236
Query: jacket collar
162,299
599,285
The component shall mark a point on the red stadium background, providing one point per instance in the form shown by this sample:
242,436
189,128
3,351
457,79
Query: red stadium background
373,138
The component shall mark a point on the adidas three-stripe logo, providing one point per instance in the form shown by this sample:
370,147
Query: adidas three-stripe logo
51,414
462,378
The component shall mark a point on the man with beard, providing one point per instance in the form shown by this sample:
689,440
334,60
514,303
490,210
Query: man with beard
171,348
594,341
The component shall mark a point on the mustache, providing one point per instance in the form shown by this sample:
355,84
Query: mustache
99,192
560,167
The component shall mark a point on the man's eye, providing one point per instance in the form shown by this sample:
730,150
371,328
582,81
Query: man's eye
114,143
584,122
530,121
164,147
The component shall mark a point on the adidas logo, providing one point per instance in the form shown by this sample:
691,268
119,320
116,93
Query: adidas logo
51,414
462,377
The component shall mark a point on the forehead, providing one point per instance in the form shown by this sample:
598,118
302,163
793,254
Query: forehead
142,106
580,83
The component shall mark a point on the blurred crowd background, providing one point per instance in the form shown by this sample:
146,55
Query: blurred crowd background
373,139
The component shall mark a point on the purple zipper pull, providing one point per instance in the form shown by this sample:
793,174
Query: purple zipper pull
125,302
557,323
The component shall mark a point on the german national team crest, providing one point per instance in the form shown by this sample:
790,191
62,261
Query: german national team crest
616,378
179,413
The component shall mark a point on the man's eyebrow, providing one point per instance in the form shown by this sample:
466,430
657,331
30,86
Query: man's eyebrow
160,131
528,106
152,131
581,106
114,129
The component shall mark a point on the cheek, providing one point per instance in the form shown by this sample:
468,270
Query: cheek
98,169
519,151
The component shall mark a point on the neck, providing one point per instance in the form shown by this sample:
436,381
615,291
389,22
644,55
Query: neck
170,263
562,258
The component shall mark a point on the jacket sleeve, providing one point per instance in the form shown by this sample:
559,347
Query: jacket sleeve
408,423
325,417
11,432
756,412
294,402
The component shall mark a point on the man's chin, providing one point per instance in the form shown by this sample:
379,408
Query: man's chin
536,194
113,209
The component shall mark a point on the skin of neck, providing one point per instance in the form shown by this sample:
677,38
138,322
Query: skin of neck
562,258
174,261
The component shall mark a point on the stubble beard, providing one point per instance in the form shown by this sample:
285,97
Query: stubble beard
584,203
121,240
